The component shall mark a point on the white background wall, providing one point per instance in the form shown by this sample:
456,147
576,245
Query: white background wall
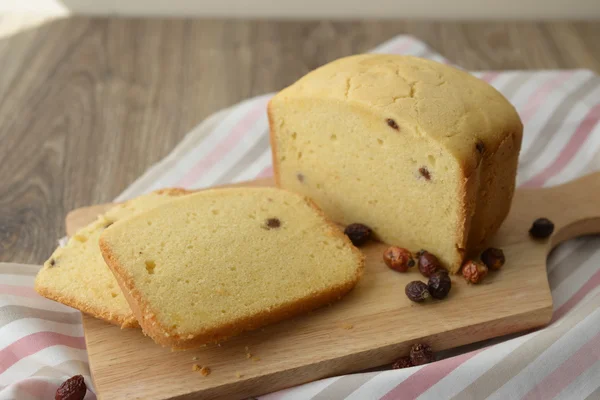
438,9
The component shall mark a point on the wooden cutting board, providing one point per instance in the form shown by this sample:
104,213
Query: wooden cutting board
370,327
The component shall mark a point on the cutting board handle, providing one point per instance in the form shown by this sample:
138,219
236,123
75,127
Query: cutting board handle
574,207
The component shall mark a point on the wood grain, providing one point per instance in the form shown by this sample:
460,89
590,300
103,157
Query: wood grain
86,105
370,327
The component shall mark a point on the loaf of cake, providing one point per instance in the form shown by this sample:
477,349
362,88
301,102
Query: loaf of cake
421,152
218,262
76,275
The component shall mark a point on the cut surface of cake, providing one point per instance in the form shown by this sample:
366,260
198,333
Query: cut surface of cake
222,261
76,275
421,152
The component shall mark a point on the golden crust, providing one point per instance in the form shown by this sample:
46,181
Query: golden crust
165,336
115,318
273,142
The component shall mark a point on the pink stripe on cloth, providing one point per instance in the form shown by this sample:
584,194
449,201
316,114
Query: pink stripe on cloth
562,376
569,151
402,46
489,76
413,386
21,291
537,98
266,172
590,285
236,133
35,342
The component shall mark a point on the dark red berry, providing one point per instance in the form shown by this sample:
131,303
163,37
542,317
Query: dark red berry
439,284
425,173
421,353
398,259
402,362
72,389
493,258
428,263
392,124
272,223
359,234
417,291
541,228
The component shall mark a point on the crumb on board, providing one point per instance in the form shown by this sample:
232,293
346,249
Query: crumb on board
248,355
255,358
238,375
194,358
347,326
204,371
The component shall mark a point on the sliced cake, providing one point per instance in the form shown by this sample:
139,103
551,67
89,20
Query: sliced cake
222,261
421,152
76,275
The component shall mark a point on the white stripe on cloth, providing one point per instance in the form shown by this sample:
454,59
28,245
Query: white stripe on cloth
558,142
550,359
382,383
41,303
235,153
551,100
473,368
568,287
562,251
301,392
50,356
20,328
255,168
589,150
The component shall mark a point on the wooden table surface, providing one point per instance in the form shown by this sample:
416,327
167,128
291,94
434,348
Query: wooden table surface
86,105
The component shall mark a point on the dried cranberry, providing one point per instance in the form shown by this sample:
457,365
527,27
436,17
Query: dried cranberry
402,362
493,258
273,223
359,234
439,285
428,263
398,259
474,271
425,173
392,124
421,353
417,291
541,228
72,389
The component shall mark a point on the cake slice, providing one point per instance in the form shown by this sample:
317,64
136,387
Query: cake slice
421,152
215,263
76,275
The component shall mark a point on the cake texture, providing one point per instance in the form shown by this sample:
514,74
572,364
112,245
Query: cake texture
76,275
421,152
213,264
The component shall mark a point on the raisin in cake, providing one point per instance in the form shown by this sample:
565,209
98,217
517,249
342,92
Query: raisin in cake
222,261
76,275
423,153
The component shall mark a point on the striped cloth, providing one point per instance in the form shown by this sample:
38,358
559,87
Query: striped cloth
41,342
